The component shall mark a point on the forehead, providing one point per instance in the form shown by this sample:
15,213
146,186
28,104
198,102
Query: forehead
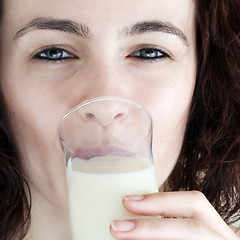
101,15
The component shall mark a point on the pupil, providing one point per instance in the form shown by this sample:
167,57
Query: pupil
54,53
149,52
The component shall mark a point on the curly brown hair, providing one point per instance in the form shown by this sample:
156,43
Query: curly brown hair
15,206
210,156
15,202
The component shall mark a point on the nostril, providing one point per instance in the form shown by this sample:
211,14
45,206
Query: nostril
104,114
119,115
90,115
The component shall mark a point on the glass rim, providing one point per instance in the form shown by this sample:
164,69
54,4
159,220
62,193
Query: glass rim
105,98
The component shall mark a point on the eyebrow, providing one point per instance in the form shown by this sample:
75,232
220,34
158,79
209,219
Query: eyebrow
154,26
54,24
83,31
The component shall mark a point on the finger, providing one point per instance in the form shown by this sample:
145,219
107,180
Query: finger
156,228
170,204
173,204
193,205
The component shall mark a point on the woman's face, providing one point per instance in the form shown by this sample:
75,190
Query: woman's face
56,54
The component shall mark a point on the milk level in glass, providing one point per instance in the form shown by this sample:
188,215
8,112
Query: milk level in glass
95,192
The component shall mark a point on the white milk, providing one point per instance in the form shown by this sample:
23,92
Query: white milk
96,198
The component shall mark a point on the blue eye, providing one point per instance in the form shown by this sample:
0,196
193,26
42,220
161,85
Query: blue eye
53,54
149,54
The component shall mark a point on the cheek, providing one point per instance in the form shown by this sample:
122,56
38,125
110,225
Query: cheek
168,135
169,107
35,131
34,115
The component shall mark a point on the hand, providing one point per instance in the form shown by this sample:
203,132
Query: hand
186,215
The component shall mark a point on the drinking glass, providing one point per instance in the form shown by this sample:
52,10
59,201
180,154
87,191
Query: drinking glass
107,145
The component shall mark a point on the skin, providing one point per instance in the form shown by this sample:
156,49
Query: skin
39,92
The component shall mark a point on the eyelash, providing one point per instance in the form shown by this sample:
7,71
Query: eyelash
150,54
56,54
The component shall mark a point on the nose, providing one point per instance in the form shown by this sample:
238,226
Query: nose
104,77
105,112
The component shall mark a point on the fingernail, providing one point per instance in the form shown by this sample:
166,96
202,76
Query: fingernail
134,198
122,226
